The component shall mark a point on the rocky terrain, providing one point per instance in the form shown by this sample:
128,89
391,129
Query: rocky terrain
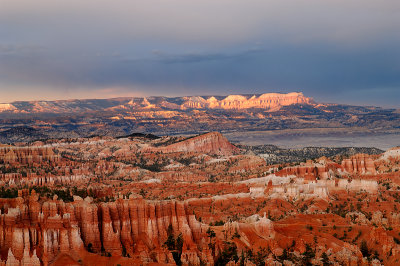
36,120
275,155
269,101
198,200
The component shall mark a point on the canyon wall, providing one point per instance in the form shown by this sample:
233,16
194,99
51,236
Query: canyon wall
31,230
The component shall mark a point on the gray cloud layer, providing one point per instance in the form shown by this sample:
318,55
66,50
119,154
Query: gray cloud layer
334,50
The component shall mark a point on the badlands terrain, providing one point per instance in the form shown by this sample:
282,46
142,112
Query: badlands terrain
199,200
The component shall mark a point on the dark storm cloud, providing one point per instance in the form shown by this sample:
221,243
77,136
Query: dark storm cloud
343,51
201,57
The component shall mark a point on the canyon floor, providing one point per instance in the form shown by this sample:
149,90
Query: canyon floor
319,137
196,200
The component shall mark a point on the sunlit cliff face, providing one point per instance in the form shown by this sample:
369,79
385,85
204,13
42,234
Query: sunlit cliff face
267,101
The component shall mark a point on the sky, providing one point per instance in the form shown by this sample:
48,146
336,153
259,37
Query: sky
343,51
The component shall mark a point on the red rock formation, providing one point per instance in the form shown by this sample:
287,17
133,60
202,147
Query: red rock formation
32,230
264,101
6,107
357,164
27,155
311,170
210,143
384,241
360,164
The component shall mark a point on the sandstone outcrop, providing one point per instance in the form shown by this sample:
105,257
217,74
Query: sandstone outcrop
33,230
210,143
359,164
7,107
310,170
264,101
27,155
269,101
393,153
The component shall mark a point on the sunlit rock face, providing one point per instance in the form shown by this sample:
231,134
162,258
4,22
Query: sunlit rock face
211,143
360,163
126,226
310,170
269,101
7,107
264,101
391,154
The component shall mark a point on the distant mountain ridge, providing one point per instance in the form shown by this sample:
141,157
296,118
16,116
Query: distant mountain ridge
269,101
33,120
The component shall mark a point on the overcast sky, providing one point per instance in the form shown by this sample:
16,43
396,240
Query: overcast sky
344,51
